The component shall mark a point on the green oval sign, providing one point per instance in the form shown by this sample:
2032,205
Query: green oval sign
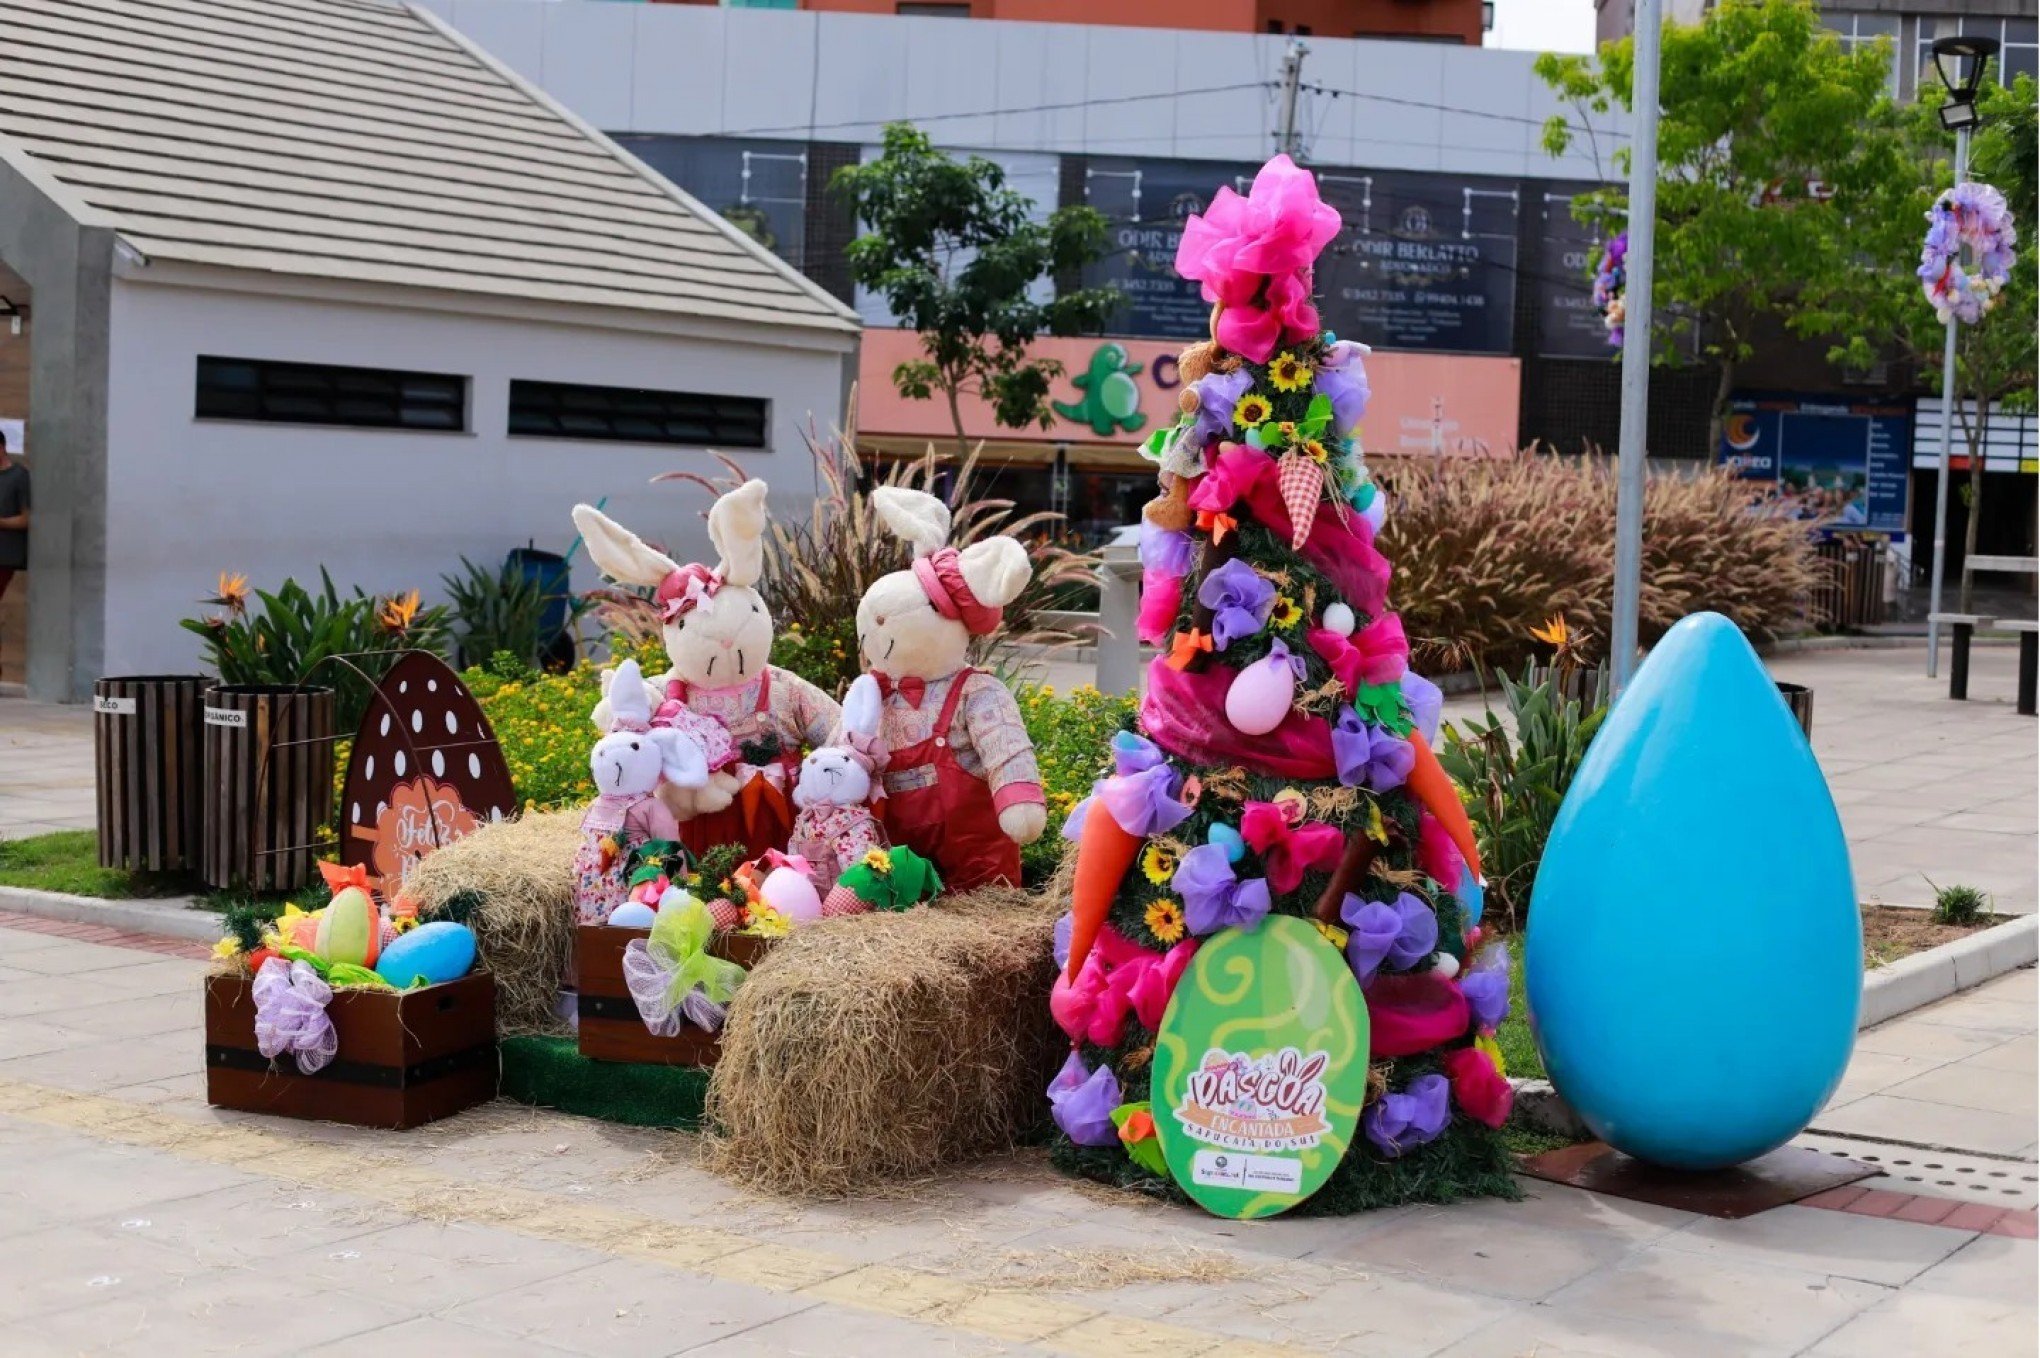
1260,1068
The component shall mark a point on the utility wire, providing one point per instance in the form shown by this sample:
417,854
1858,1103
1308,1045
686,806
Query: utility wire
995,112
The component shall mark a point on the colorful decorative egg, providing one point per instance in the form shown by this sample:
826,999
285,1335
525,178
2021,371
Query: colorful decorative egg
633,915
1227,838
1339,618
790,892
1260,696
430,954
1695,955
349,929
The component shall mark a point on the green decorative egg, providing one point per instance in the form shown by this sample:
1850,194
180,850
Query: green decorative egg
1260,1068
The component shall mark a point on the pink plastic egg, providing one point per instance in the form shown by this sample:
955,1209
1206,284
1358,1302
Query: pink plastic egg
789,891
1260,696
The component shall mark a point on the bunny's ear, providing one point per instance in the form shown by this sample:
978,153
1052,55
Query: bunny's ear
862,706
736,525
913,515
628,701
681,762
996,569
620,553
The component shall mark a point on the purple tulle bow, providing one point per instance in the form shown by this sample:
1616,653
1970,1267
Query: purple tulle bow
1240,599
1217,394
1426,702
1342,377
290,1014
1082,1102
1401,934
1370,756
1486,986
1214,897
1166,551
1064,928
1141,794
1396,1123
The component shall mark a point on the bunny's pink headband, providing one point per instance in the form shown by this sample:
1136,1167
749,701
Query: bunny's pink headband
941,576
686,588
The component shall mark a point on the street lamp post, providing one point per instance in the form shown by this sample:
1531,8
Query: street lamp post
1638,263
1960,62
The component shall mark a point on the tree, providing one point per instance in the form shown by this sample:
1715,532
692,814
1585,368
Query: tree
1772,141
958,256
1879,308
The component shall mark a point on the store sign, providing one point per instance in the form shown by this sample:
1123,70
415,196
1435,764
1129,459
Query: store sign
1829,459
1145,203
1118,391
1422,262
1563,256
1260,1068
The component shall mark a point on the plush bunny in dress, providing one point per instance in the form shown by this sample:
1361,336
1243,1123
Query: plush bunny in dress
835,826
629,765
961,784
718,637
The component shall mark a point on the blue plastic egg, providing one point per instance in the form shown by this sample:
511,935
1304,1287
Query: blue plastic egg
1472,897
1694,960
633,915
431,953
1227,838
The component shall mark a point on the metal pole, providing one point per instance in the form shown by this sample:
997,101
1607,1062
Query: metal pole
1636,342
1292,78
1947,448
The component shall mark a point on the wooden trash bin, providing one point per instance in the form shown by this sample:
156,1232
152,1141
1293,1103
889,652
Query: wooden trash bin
609,1026
268,784
149,762
406,1058
1799,698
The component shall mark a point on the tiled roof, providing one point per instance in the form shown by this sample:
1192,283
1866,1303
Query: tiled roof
358,139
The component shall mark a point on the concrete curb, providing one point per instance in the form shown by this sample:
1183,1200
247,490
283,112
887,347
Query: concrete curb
1937,973
1907,984
165,917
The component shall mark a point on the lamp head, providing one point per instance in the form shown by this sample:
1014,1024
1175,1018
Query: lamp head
1960,62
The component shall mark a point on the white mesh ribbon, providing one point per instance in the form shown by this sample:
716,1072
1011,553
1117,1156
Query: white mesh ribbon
671,977
290,1014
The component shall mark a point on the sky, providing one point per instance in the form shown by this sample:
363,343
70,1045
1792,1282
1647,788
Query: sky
1544,25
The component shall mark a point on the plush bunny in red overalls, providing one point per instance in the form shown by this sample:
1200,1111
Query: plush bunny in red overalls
961,785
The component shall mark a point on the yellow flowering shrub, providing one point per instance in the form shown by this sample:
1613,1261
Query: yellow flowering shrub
1072,734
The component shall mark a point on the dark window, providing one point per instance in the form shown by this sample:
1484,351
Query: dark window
937,11
635,415
317,393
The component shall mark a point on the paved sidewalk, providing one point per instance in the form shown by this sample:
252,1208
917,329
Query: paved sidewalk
46,779
135,1220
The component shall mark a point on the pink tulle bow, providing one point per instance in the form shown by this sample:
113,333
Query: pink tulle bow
1338,652
1118,979
1437,855
1384,650
1254,255
1161,595
1287,853
1233,476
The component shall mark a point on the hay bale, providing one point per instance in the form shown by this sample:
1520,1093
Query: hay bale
879,1047
513,884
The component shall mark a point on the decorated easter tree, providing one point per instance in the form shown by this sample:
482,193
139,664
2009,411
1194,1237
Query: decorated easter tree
1281,764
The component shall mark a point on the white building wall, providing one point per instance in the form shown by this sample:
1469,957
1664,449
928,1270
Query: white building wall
703,70
389,509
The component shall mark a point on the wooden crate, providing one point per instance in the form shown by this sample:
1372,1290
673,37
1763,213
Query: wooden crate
610,1027
148,749
405,1059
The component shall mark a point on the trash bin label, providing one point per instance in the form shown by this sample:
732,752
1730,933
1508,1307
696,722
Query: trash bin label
225,716
115,707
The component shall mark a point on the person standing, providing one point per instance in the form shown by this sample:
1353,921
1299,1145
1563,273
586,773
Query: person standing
13,517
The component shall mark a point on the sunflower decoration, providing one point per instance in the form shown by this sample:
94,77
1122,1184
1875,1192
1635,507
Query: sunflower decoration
878,860
1286,614
1316,451
1165,920
1252,411
1158,863
1288,372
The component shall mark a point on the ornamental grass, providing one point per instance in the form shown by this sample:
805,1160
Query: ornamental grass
1484,548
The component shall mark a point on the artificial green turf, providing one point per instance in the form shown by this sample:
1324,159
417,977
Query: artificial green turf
552,1073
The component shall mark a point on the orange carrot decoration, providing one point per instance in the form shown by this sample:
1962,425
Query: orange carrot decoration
1104,852
1433,787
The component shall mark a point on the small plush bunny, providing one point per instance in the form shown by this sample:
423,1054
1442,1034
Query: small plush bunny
629,765
718,637
835,827
961,784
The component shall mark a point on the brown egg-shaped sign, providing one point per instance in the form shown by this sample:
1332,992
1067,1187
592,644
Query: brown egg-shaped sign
424,771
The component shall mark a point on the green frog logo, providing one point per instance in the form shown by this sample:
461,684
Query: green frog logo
1111,401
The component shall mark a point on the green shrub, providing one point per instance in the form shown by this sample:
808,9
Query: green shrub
1514,786
496,610
824,654
1072,735
1958,904
296,629
1484,548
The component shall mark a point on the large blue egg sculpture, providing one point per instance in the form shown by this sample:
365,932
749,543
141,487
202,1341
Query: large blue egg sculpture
1694,960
